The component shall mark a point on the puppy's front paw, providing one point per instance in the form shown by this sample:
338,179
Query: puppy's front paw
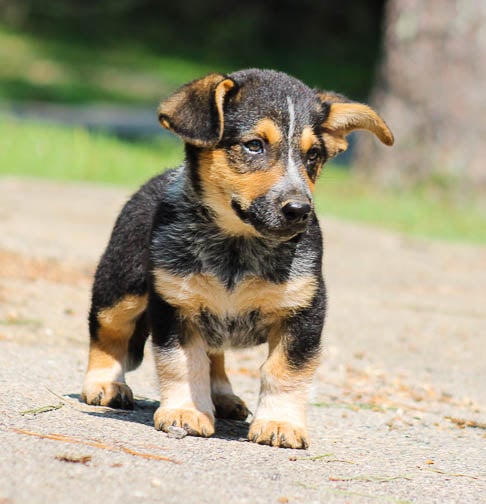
230,406
194,422
281,434
111,394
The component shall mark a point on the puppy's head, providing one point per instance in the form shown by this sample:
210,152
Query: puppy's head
257,141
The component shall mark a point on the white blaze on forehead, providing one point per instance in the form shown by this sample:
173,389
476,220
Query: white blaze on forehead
291,121
292,168
290,161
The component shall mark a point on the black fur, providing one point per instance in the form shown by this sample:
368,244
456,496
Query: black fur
122,269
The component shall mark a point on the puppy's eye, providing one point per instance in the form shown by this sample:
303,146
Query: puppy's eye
313,155
254,146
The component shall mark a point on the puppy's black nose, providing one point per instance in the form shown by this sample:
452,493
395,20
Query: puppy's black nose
296,211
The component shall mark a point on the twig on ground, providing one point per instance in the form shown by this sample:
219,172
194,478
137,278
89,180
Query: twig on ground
325,456
456,475
315,457
461,422
371,478
95,444
42,409
75,459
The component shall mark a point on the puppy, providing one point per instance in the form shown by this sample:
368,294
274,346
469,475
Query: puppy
225,252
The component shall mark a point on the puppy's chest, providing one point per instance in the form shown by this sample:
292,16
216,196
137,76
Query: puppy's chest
234,291
243,313
243,330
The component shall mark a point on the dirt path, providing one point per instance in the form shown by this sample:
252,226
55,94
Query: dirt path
404,365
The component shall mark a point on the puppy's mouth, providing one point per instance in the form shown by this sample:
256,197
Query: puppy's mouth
277,230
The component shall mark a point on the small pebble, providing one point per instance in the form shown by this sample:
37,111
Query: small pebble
176,432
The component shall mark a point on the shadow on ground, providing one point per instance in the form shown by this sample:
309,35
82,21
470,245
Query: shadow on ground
143,413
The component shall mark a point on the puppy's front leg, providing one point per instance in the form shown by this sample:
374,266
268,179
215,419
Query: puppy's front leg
280,418
182,367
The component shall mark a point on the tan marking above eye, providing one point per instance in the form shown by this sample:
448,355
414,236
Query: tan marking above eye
268,130
308,139
196,292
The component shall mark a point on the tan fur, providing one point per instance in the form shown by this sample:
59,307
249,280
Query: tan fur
278,433
310,182
268,130
221,183
173,111
226,403
277,364
344,118
102,393
193,421
220,203
195,292
108,354
280,419
118,322
116,328
221,89
218,372
104,354
176,101
165,123
334,144
308,139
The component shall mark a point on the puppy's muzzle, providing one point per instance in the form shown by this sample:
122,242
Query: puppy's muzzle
272,218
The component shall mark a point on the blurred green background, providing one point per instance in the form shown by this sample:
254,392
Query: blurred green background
135,51
80,82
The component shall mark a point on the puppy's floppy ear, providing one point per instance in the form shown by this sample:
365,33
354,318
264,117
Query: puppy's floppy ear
195,111
343,116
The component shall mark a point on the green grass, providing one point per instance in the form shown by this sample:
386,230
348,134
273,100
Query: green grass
74,154
54,152
428,210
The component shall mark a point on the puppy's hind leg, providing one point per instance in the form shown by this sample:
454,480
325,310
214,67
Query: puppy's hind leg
226,403
118,335
118,322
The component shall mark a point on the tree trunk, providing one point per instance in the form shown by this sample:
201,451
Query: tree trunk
431,91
